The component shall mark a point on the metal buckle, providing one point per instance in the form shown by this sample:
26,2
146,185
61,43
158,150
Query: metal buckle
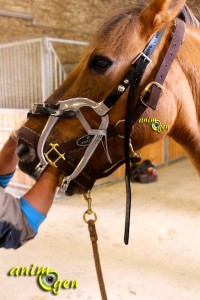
148,89
34,108
60,156
57,113
145,58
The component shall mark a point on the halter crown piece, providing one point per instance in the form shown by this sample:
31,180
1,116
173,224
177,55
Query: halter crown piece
71,108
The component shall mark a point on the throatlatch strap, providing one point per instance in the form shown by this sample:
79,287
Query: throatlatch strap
127,80
137,75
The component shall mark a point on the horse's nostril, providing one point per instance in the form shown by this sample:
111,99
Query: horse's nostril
25,152
22,149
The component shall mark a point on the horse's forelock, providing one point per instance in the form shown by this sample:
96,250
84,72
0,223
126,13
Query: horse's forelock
122,19
120,22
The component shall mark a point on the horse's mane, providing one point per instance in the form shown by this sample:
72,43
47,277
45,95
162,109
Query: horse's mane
188,16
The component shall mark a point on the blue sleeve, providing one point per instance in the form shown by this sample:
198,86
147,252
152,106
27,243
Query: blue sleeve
34,217
5,179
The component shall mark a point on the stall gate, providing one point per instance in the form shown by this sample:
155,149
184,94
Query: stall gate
29,72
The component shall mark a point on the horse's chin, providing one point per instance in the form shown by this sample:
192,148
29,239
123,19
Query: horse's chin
75,189
28,168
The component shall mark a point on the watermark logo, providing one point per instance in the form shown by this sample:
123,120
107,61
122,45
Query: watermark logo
155,124
48,280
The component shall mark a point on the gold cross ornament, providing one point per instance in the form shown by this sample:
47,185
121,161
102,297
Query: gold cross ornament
60,156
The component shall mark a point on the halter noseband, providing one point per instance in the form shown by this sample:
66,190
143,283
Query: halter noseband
71,107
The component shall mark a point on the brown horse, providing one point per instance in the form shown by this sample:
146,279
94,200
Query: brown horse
108,59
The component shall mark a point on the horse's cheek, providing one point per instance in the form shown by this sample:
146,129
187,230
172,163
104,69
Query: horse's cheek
143,134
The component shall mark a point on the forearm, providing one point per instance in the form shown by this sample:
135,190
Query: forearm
21,218
8,157
41,195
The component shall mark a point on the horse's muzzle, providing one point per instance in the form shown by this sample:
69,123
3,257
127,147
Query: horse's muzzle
28,160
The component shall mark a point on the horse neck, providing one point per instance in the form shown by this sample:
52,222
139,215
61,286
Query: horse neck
186,129
190,64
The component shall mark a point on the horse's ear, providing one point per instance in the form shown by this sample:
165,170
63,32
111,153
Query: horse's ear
160,12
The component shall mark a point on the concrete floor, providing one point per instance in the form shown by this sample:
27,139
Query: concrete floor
161,262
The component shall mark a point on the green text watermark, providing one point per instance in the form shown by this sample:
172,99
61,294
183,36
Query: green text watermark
47,279
155,124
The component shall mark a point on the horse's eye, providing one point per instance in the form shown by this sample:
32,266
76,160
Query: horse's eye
100,64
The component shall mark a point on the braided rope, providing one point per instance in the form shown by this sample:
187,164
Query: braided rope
94,238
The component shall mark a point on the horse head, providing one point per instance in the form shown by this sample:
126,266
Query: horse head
80,127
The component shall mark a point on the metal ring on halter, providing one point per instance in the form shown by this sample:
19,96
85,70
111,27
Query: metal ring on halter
119,122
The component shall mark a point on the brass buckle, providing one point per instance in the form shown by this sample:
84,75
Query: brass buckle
60,156
148,89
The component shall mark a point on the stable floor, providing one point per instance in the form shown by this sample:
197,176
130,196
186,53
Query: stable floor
161,262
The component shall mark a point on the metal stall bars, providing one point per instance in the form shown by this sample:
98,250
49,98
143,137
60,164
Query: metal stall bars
29,72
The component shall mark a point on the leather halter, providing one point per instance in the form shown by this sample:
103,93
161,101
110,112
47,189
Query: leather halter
70,108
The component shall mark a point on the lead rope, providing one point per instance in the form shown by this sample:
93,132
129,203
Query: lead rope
94,238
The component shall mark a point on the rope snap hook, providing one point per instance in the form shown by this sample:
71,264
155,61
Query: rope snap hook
89,211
